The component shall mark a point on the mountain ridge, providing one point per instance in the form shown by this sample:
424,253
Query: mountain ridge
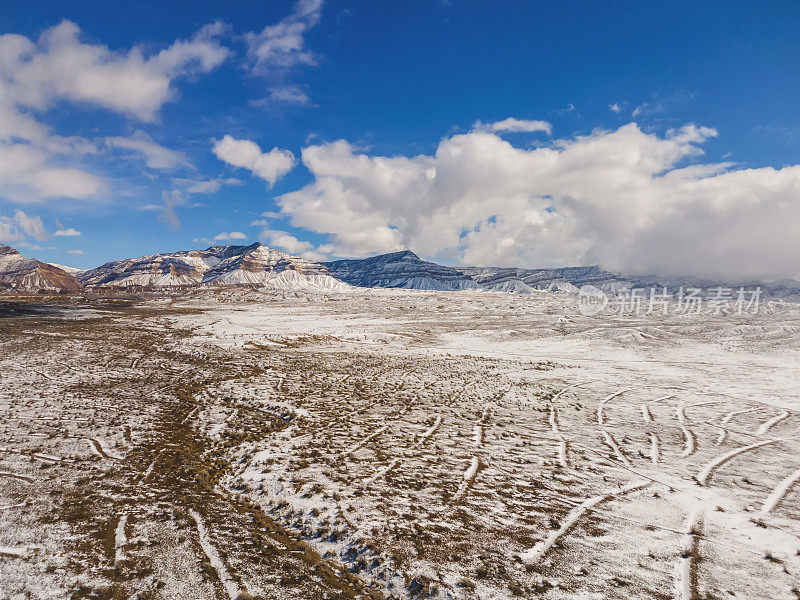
259,265
21,274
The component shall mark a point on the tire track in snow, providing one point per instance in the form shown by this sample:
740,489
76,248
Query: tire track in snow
365,441
767,425
655,449
686,575
721,436
604,401
726,419
477,434
646,414
120,539
538,552
566,389
469,475
230,585
381,472
430,431
705,474
690,439
16,476
609,441
563,447
779,492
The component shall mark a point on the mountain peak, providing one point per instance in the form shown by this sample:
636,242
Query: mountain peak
402,254
7,250
19,273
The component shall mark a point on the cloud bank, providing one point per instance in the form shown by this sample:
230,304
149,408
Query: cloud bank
626,199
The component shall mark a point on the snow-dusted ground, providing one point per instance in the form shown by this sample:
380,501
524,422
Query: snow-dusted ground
400,443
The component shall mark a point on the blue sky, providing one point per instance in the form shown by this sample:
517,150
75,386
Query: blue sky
647,138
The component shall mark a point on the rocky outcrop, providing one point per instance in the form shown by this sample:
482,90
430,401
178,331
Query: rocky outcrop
20,274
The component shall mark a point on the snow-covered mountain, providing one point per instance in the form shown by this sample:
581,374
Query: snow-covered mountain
70,270
571,279
263,266
399,270
21,274
524,281
256,264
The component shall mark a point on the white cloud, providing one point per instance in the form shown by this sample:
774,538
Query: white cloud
615,107
661,104
168,215
79,252
14,229
512,125
270,166
626,199
283,45
232,235
155,155
67,232
58,66
31,225
26,176
288,243
205,186
29,246
290,94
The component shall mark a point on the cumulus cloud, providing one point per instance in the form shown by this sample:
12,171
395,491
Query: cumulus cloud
59,66
78,252
155,155
67,232
512,125
269,166
626,199
232,235
283,45
288,243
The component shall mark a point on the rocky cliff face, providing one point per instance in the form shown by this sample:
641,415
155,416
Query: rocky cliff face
21,274
256,264
399,270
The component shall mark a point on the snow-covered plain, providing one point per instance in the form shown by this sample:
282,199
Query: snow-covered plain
387,443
